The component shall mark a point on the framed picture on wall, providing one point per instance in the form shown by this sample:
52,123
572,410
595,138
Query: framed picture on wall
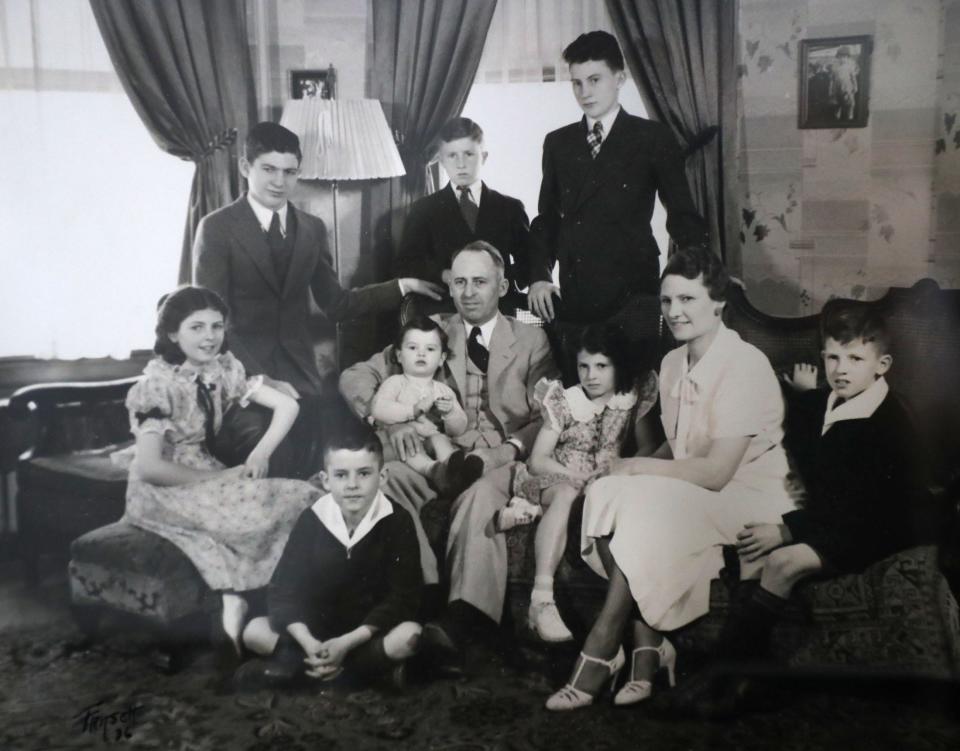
835,82
321,84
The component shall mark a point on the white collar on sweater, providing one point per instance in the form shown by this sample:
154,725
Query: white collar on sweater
329,514
860,407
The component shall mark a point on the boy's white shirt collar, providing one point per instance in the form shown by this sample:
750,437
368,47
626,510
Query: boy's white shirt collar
475,188
486,329
607,121
860,407
329,514
265,215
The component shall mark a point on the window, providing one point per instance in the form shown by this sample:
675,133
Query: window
92,212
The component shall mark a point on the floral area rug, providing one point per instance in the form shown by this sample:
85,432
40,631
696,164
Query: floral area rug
59,690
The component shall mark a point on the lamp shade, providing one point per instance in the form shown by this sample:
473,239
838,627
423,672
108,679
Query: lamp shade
342,139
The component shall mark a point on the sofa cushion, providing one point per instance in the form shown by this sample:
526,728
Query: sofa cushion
135,571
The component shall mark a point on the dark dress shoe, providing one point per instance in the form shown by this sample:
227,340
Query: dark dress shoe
440,653
261,673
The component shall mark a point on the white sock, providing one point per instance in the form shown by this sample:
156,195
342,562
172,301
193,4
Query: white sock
542,589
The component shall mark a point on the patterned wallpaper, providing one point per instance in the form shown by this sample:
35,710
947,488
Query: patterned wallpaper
849,212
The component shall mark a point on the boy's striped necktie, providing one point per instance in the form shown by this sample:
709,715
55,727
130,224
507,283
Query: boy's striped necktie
595,138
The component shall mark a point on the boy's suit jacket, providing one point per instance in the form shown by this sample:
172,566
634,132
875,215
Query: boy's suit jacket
863,479
269,324
594,214
435,228
519,357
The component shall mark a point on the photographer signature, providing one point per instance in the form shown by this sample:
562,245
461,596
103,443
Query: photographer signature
113,724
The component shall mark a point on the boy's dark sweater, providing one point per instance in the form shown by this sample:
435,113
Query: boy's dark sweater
863,480
377,583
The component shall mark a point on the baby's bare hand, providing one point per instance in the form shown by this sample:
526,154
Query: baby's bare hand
443,404
424,404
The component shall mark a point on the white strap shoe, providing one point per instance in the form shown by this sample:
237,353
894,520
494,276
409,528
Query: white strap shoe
572,697
639,689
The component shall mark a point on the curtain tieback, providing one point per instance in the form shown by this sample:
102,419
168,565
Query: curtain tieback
700,140
220,141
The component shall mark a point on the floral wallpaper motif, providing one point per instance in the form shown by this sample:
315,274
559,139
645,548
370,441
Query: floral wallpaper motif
849,212
760,50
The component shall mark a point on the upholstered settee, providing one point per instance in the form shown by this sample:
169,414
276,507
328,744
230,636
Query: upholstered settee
900,615
70,500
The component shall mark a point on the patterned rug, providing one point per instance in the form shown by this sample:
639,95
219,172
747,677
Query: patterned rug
60,691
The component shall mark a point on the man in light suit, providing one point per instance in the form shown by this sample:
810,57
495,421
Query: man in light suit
265,258
465,210
494,363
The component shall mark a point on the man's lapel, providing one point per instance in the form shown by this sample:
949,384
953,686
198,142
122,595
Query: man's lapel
248,234
457,361
304,243
501,355
451,206
599,169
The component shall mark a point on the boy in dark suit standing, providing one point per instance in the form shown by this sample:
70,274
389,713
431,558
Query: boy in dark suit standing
600,178
266,258
464,211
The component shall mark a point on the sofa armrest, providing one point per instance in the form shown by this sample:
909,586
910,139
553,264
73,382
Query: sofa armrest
74,416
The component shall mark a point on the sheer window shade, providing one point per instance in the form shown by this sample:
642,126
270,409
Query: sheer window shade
93,220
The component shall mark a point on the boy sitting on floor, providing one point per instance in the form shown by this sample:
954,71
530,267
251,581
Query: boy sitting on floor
348,585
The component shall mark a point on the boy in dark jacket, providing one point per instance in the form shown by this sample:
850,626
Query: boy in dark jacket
855,450
348,585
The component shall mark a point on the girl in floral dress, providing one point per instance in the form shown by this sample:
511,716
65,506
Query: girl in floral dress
231,522
584,428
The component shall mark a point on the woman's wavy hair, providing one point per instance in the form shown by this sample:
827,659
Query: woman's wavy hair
174,308
693,261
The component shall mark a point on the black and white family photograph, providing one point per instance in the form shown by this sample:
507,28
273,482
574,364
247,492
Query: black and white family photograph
480,375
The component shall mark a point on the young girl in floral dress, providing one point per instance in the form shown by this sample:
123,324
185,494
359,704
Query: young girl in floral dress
584,429
231,522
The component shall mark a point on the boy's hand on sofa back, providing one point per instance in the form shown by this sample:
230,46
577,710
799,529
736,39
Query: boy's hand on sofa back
804,377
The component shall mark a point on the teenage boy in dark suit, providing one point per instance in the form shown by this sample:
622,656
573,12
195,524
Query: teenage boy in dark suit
266,258
464,211
600,178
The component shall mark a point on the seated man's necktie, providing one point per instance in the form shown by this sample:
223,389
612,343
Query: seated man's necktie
476,351
467,207
595,138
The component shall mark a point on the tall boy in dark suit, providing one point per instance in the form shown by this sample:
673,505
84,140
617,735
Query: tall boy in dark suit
266,258
464,211
600,178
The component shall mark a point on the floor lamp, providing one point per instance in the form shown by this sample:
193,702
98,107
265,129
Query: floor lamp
342,139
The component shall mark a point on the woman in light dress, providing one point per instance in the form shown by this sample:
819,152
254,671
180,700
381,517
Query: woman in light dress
656,525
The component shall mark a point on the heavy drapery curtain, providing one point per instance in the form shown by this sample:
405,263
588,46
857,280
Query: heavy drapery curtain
680,52
186,68
424,59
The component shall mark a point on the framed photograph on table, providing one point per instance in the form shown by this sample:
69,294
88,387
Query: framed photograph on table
320,84
834,82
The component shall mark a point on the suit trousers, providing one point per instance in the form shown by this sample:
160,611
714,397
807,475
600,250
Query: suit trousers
476,555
